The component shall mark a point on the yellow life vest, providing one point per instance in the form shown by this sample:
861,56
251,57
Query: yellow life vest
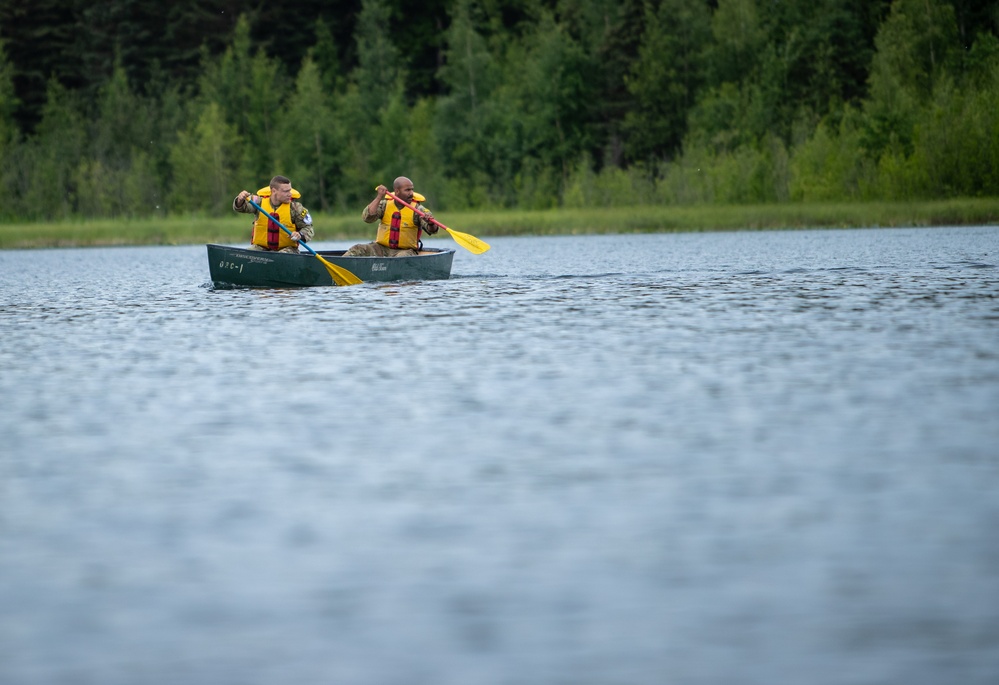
265,233
399,232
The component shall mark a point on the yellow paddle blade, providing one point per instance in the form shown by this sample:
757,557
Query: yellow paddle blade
469,242
340,275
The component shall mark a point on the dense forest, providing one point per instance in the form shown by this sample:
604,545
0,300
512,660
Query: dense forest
128,108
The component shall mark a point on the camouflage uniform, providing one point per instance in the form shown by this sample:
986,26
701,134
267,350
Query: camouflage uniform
374,249
300,217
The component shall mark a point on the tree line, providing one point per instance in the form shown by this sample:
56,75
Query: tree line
128,108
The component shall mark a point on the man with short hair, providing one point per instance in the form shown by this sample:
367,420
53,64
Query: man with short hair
280,201
399,227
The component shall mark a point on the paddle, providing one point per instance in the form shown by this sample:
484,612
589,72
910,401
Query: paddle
340,275
469,242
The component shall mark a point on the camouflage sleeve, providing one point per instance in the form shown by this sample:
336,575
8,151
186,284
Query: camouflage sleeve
369,218
425,223
247,208
303,221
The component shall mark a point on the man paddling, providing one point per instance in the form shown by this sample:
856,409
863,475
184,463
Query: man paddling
280,201
399,227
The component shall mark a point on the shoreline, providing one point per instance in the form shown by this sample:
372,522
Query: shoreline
229,229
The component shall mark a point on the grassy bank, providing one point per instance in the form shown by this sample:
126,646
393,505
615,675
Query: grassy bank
571,221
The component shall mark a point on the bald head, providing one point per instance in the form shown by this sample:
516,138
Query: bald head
403,189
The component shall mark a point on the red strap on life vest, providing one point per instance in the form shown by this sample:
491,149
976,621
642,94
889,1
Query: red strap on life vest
394,230
273,233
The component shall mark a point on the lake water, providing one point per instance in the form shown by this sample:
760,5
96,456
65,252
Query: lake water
749,458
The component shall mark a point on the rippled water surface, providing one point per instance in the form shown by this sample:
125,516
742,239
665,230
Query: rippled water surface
766,457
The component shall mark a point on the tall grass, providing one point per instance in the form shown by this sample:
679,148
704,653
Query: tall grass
658,219
566,221
171,230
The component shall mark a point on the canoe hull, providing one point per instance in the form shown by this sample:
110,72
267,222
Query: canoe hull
237,267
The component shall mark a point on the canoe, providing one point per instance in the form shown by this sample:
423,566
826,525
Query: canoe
237,267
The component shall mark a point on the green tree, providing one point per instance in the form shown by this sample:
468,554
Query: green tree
39,39
423,152
609,33
51,155
8,106
955,142
468,116
116,175
817,57
371,114
975,18
737,37
552,97
206,160
124,121
352,131
913,46
326,56
667,76
307,133
253,95
830,165
782,70
380,70
469,70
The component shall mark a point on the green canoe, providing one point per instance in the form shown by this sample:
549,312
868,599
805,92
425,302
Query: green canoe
237,267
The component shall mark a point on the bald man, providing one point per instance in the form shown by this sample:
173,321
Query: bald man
399,227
